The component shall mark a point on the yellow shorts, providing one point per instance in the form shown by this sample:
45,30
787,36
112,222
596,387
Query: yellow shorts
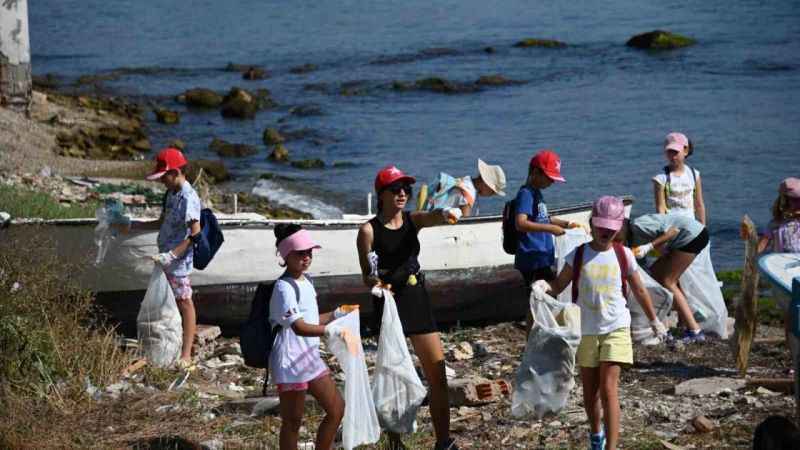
612,347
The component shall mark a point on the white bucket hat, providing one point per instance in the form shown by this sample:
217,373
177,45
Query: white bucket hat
493,176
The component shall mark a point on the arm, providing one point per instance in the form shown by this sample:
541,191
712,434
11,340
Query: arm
699,204
194,229
423,219
465,210
564,278
525,225
301,328
660,197
364,246
664,238
763,243
642,296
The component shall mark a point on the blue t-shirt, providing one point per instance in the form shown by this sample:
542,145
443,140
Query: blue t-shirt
180,208
536,249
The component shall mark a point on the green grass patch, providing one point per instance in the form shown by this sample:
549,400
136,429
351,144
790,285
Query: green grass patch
131,189
22,202
730,276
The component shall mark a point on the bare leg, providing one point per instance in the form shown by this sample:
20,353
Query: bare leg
291,407
667,270
609,382
590,378
328,396
428,348
189,324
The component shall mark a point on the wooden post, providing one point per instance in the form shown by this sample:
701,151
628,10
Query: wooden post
747,306
422,197
15,55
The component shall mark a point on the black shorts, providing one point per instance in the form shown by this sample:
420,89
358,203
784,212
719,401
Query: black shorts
542,273
413,307
697,244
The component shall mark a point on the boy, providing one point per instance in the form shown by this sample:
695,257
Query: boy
178,224
463,192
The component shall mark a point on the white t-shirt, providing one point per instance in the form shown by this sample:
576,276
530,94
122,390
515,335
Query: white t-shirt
603,307
294,359
680,195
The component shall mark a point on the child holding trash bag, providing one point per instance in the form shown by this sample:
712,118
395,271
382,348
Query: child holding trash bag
677,239
295,362
178,224
602,270
392,236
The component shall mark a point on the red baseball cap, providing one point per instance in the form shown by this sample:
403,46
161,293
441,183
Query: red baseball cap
389,175
549,163
166,160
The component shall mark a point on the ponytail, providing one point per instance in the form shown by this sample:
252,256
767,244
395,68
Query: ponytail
284,230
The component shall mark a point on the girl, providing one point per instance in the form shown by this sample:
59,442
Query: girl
295,362
679,189
678,239
605,320
784,230
392,234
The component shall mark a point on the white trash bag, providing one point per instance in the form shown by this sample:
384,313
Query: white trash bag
567,242
159,322
360,424
397,390
662,303
111,213
700,284
545,375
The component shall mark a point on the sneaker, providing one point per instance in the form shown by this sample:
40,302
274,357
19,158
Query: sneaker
597,441
449,444
692,337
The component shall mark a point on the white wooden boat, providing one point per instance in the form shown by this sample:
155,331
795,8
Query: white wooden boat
469,276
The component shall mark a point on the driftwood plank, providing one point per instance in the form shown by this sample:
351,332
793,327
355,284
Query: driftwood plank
747,307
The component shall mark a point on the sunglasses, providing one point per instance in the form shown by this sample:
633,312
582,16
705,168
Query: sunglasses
396,188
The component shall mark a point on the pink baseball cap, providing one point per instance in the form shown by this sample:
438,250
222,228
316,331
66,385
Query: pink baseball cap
676,141
790,187
608,212
299,241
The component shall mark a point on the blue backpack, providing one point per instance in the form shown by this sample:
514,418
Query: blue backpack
208,240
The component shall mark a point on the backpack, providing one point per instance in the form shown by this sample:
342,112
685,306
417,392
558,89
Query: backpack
669,179
510,233
205,243
256,336
622,259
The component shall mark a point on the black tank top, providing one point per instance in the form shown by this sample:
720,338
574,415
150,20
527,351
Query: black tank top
394,247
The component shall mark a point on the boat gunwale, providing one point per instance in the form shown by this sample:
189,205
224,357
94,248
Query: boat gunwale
308,223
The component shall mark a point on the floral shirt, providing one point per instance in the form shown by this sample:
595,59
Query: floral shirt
785,236
180,209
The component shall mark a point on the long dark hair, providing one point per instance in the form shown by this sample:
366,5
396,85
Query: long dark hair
284,230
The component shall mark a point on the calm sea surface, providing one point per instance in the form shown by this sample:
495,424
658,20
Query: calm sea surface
604,107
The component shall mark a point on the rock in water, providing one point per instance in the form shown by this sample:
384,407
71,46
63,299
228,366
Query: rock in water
279,153
201,98
546,43
659,40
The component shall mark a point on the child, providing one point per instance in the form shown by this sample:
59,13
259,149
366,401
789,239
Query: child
679,189
678,239
605,320
784,229
178,224
535,255
295,362
463,193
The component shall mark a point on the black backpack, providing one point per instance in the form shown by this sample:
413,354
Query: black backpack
256,336
510,233
205,243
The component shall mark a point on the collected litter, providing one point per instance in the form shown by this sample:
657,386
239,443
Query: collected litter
545,376
360,423
159,322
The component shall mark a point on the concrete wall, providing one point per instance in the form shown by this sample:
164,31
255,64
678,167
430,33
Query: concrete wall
15,54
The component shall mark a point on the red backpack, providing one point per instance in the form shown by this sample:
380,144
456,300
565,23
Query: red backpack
622,259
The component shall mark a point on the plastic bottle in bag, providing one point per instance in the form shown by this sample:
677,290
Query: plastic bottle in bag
360,424
397,390
158,324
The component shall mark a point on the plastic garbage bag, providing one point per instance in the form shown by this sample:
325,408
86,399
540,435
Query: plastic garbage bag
700,284
545,378
564,244
111,213
662,303
159,322
360,424
397,390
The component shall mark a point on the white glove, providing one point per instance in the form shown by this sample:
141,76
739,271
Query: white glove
642,250
542,285
451,215
658,328
165,259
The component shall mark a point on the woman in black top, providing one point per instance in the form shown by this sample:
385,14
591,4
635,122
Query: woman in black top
392,234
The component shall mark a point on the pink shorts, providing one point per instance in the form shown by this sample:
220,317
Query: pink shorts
287,387
181,287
